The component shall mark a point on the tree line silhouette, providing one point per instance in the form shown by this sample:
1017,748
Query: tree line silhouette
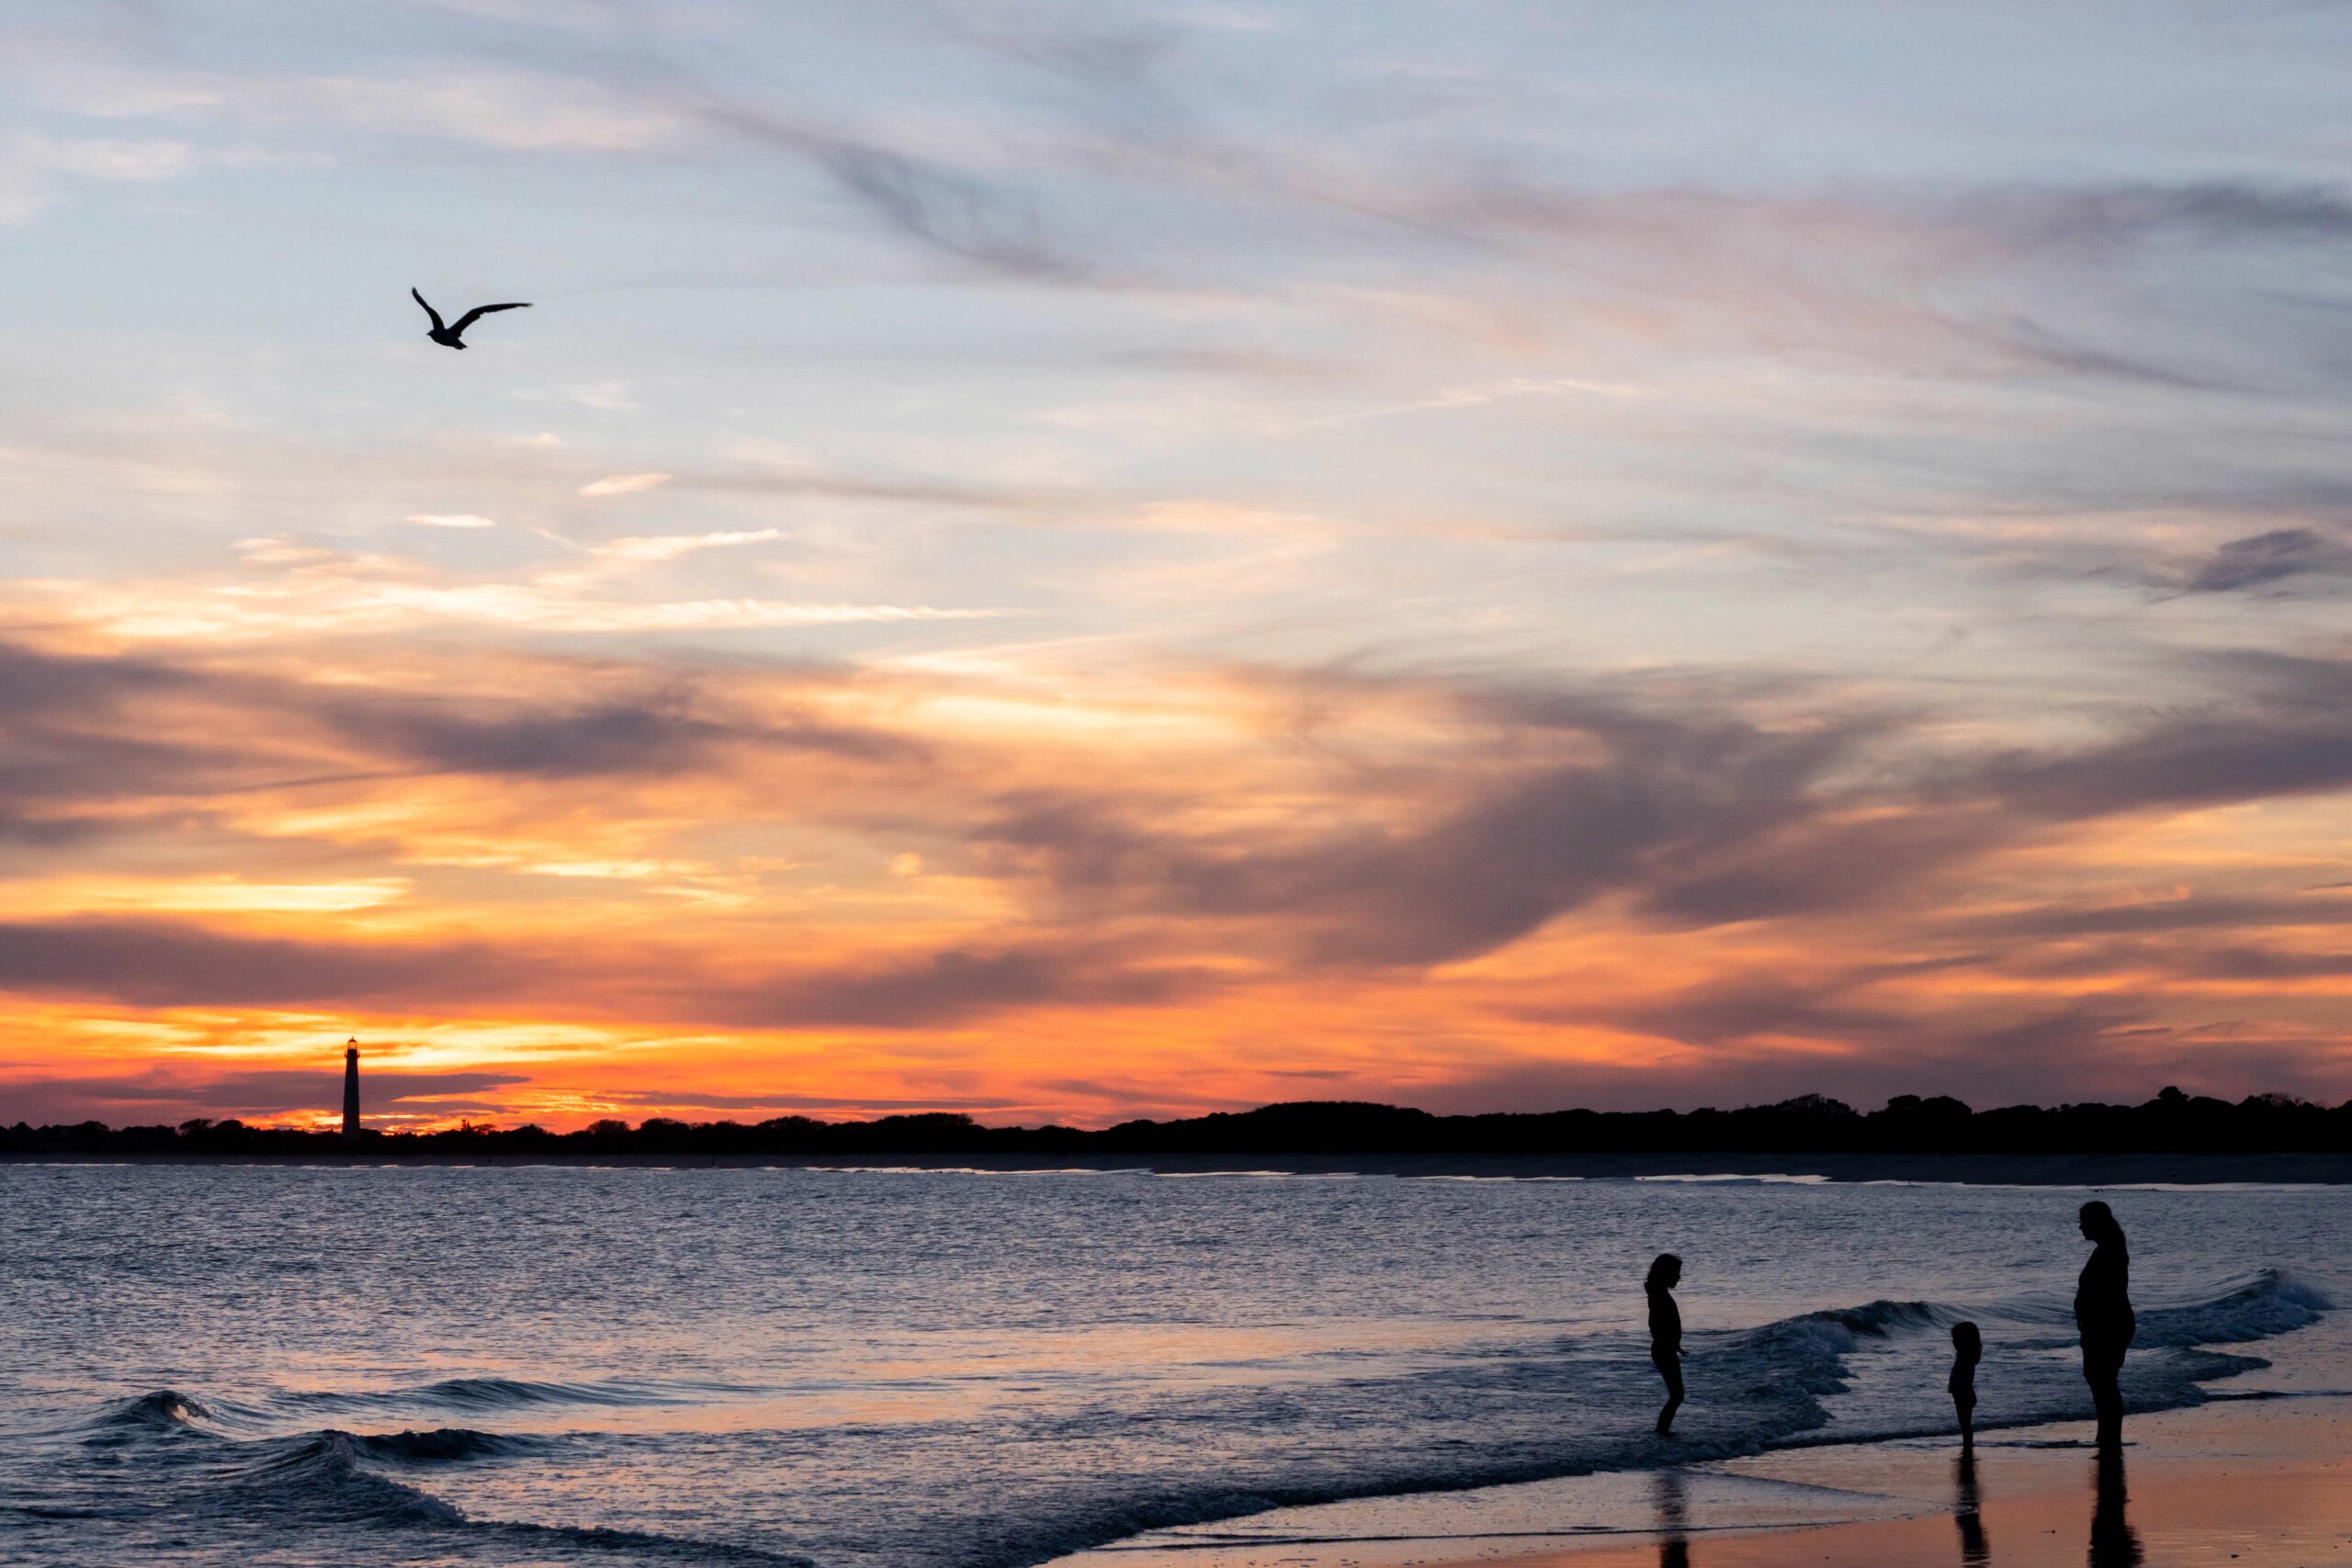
2172,1122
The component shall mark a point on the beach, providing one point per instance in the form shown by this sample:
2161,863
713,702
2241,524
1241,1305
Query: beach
2259,1478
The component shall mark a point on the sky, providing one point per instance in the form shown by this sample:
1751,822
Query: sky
1082,560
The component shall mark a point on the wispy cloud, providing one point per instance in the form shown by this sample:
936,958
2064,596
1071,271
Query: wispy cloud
2260,559
670,547
32,168
281,588
951,211
609,397
623,484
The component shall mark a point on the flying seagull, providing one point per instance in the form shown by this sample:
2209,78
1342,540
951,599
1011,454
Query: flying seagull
454,337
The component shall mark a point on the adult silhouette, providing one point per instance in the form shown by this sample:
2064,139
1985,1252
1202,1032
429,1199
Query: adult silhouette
1666,1332
1968,1513
2103,1314
2113,1543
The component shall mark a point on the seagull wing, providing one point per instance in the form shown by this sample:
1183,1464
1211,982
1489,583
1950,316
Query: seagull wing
468,318
428,310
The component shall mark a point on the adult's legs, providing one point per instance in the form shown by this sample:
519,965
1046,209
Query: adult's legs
2103,1369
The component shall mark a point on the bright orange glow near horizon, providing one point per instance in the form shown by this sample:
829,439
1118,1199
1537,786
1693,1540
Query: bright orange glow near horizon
796,893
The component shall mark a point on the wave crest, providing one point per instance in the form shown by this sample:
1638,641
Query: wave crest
492,1394
321,1476
161,1410
443,1445
2257,1306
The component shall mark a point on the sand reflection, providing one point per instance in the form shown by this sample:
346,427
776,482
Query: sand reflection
2113,1544
1968,1513
1673,1521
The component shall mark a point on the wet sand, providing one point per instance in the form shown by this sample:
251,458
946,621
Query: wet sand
2235,1483
2256,1482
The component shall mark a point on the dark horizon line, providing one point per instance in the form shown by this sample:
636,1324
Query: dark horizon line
2171,1122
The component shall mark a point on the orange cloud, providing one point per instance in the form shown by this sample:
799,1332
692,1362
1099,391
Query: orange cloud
563,889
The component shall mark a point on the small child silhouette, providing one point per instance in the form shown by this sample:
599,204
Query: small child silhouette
1968,1348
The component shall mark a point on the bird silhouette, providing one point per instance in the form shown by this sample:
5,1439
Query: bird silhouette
454,337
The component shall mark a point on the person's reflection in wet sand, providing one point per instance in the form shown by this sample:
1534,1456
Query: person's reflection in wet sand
1673,1521
1967,1513
2112,1543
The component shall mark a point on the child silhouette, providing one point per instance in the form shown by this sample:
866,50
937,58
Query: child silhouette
1666,1332
1968,1348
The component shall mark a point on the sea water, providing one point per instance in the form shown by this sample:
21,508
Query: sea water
260,1366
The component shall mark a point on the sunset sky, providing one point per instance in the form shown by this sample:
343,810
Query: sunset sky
1075,561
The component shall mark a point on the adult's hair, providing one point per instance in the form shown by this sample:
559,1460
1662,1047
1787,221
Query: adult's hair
1662,1265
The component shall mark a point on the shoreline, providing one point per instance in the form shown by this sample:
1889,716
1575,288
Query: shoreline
2253,1473
2086,1170
2256,1478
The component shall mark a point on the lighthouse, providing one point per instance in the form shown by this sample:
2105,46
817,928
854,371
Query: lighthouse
351,1090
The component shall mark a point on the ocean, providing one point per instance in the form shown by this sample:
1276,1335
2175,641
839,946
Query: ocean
896,1369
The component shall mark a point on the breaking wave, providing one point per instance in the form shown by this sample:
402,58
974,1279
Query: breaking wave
332,1478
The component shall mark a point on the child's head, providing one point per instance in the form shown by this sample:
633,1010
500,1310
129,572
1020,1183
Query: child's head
1966,1340
1665,1271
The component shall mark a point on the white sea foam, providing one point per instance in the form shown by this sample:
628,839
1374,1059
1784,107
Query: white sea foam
1744,1178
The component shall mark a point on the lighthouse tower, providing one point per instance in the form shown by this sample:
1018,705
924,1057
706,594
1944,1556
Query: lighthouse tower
351,1090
